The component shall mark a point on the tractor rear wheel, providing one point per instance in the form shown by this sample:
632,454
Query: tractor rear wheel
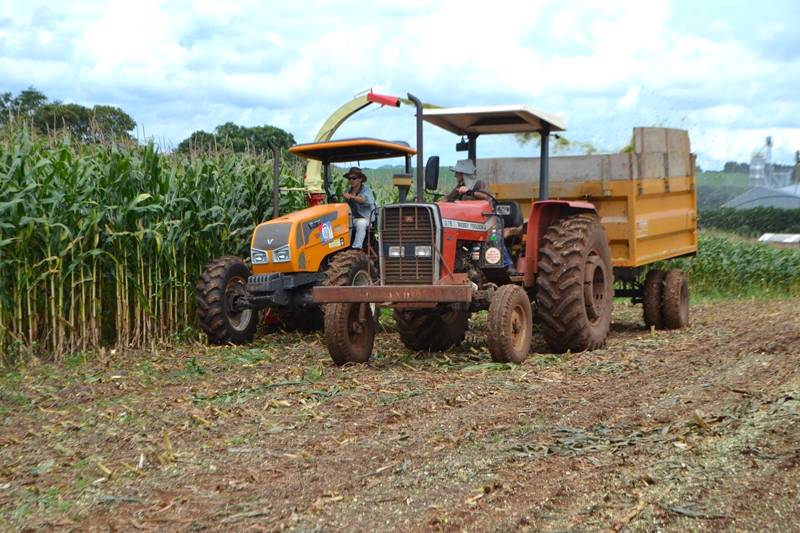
575,284
431,330
653,289
349,330
510,325
675,300
222,283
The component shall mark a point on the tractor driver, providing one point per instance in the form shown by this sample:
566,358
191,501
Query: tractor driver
468,183
470,186
362,204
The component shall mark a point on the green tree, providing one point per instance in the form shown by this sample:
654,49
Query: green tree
100,123
238,138
23,105
112,122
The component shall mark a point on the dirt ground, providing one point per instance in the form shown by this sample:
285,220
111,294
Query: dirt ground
682,430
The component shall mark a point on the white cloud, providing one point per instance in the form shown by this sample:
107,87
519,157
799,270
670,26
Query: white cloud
181,66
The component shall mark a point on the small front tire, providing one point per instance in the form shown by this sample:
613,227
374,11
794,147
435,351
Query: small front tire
349,335
510,325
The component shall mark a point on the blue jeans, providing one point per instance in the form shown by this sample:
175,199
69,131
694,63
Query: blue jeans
361,225
507,261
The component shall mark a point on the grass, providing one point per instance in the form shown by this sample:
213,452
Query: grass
723,179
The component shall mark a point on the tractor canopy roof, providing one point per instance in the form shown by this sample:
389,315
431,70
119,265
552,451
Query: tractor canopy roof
492,119
359,149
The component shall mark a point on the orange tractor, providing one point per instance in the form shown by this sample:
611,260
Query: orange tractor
439,262
291,254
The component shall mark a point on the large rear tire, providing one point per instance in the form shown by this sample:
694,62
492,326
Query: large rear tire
575,284
675,300
431,330
510,325
653,289
348,338
222,282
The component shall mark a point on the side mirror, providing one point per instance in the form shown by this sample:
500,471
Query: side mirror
432,173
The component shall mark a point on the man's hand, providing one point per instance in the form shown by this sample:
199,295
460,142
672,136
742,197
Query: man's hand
463,189
347,195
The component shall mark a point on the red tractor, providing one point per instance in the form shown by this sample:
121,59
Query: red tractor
442,261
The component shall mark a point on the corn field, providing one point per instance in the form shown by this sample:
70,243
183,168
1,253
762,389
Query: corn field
731,267
101,245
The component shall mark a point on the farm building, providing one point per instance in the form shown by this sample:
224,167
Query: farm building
787,197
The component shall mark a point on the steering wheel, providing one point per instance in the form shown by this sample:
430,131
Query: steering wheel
492,199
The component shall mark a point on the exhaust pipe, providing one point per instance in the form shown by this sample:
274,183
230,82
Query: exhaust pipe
420,166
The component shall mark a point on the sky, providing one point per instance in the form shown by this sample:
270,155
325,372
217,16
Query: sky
729,72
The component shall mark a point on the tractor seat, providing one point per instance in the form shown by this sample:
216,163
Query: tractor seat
512,214
512,218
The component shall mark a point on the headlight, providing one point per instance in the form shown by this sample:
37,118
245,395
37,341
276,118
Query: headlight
258,257
395,251
281,255
422,251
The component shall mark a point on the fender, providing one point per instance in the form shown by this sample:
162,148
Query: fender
543,214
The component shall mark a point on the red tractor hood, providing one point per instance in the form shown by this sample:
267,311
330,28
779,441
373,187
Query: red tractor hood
466,210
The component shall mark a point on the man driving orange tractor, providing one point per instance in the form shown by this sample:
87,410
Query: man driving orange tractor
362,204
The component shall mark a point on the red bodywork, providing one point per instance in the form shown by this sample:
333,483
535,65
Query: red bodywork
471,211
542,215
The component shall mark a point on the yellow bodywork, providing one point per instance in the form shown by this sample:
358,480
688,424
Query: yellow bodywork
646,220
309,241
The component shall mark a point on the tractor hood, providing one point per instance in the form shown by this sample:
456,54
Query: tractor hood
300,241
466,210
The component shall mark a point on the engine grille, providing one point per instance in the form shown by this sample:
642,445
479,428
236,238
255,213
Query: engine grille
408,226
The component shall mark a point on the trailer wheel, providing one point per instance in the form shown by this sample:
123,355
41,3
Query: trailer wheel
510,325
675,300
653,289
349,335
431,330
222,282
575,284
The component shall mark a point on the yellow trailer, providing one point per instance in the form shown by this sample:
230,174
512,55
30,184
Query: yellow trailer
647,198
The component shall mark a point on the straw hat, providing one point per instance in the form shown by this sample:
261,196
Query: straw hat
355,171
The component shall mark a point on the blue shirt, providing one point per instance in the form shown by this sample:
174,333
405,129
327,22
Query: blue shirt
365,210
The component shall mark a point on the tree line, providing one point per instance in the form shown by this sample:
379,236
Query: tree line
106,123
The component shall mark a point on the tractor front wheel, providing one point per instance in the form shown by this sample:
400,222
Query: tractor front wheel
510,325
219,291
349,327
575,284
349,332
